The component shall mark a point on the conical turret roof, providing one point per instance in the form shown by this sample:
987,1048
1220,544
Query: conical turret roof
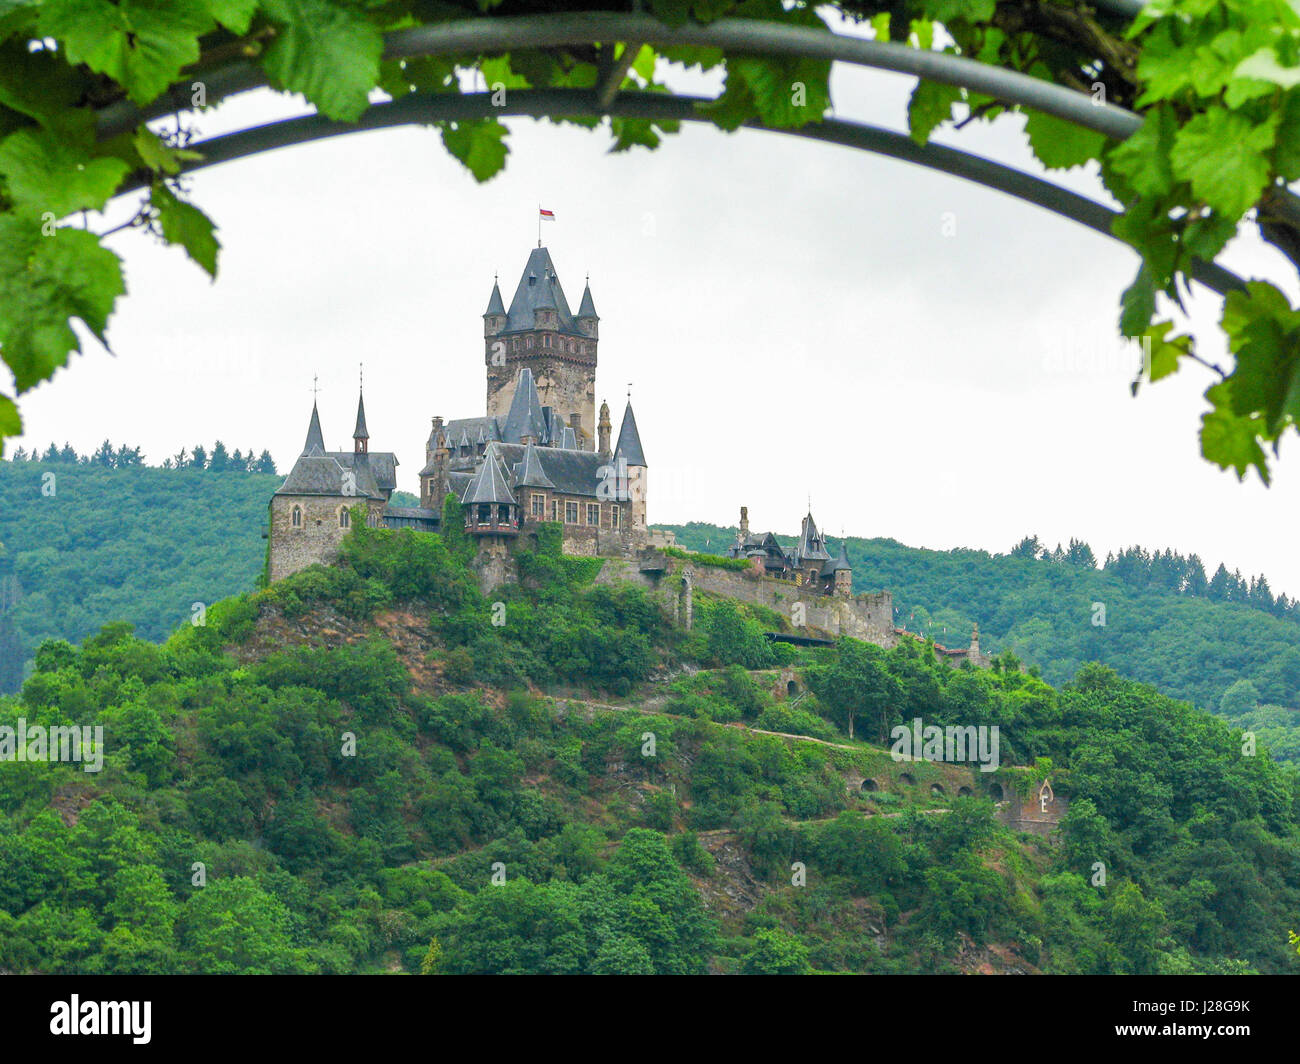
629,440
315,441
489,483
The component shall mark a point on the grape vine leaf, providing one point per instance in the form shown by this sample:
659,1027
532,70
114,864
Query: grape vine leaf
44,172
44,282
184,224
328,53
141,44
1221,153
480,145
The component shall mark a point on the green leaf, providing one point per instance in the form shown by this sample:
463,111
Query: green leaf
141,44
1060,145
45,172
235,15
1143,159
10,423
1165,352
328,53
186,225
45,281
1222,154
930,106
480,145
954,10
880,25
1264,66
1264,336
1286,152
1229,440
1138,304
785,94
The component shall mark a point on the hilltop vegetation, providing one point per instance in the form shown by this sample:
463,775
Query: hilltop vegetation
368,774
1192,638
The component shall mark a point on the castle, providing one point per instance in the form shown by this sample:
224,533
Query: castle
541,453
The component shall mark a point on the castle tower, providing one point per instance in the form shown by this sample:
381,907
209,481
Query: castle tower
539,332
629,455
839,574
360,434
491,511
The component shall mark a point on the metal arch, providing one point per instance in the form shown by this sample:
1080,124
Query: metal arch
475,36
423,109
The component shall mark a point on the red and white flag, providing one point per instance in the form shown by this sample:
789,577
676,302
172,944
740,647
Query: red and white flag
545,214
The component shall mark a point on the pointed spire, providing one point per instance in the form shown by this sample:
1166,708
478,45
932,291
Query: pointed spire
495,304
842,562
315,440
489,483
360,433
587,308
811,547
530,472
525,415
629,440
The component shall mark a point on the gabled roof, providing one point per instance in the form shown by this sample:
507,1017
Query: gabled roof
629,440
376,472
360,432
529,472
525,415
489,485
315,441
539,287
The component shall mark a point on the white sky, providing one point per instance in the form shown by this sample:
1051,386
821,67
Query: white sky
792,318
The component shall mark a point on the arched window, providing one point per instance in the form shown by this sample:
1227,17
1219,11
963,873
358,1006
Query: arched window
345,517
297,517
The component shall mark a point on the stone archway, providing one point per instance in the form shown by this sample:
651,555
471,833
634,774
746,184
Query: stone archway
870,786
995,792
908,779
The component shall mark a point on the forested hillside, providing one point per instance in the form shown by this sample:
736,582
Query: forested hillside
1160,625
362,769
88,544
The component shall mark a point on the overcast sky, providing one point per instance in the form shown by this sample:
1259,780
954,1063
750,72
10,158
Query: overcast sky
792,318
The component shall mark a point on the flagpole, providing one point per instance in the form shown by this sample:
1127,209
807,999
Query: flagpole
539,225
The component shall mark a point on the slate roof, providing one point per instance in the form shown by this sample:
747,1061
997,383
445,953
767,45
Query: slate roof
495,306
840,563
490,483
529,472
377,467
315,441
313,474
588,307
525,415
811,547
629,440
539,287
360,432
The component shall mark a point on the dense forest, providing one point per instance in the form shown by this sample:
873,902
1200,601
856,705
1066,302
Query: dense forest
1160,620
371,767
130,542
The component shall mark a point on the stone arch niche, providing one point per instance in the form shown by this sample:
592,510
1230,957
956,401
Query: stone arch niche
791,689
963,792
907,778
937,789
870,786
995,792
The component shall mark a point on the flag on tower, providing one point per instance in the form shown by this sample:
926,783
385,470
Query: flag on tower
548,215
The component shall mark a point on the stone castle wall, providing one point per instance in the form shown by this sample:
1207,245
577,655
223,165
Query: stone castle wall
567,385
319,537
867,617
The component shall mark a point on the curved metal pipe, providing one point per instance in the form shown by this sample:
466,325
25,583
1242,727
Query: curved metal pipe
419,109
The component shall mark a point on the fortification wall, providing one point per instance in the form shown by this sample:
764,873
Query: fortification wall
316,539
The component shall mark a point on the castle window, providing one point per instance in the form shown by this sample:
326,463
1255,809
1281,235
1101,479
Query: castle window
570,513
297,517
615,514
528,342
546,340
345,518
484,513
593,514
539,504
